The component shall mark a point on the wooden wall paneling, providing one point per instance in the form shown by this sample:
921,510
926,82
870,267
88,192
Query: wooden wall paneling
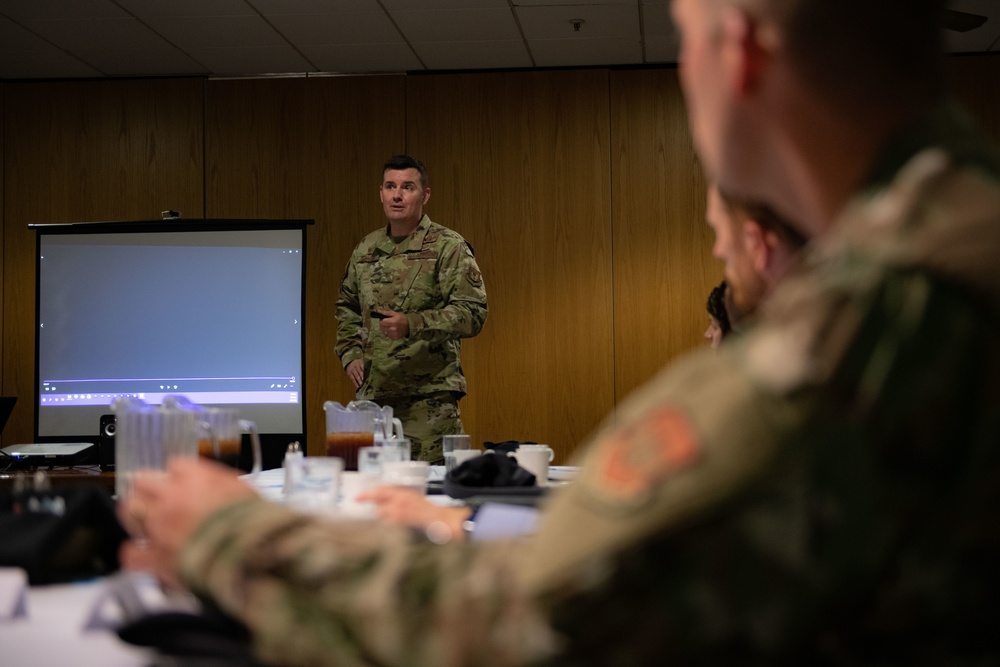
664,269
973,80
87,150
519,165
307,148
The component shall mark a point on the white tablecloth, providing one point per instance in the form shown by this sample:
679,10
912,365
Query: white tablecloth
63,627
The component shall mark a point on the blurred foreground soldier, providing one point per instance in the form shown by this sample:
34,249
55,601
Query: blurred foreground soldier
411,292
824,490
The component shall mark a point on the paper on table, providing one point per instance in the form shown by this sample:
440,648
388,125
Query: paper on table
13,593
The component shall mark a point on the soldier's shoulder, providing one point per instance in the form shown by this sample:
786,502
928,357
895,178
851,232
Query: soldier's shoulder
443,236
370,240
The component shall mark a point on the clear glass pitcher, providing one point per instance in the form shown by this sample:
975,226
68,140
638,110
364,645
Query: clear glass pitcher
148,436
221,431
355,425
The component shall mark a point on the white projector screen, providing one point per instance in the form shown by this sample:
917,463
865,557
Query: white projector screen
212,310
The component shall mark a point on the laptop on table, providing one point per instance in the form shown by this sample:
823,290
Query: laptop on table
39,453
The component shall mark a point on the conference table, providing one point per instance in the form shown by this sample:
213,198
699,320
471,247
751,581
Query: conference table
62,624
74,624
60,478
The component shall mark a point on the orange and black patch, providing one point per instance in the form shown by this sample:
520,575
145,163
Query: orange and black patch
632,461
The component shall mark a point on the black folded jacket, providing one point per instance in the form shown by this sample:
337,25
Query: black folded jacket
60,536
493,473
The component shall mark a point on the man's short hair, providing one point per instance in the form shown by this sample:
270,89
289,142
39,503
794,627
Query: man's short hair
741,210
717,307
400,162
863,48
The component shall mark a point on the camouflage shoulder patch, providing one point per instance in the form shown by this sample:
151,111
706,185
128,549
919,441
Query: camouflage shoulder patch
632,461
474,276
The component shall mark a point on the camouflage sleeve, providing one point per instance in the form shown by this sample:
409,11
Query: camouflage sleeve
463,311
316,592
349,322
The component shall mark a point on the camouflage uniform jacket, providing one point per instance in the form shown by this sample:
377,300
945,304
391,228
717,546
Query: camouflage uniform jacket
825,489
433,278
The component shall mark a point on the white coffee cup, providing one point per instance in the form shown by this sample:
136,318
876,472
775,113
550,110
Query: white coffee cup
535,459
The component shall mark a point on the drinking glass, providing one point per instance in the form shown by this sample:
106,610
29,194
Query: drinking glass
395,449
451,443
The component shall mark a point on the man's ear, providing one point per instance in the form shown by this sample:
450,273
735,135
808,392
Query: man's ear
427,195
748,49
756,243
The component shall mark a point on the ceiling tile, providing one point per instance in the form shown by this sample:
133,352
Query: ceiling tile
453,25
599,22
74,35
209,32
187,8
656,19
43,63
661,48
252,60
362,58
340,28
579,52
71,38
563,3
14,37
275,7
61,9
392,5
152,60
473,55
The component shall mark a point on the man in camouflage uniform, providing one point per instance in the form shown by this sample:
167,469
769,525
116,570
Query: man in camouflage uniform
411,292
824,490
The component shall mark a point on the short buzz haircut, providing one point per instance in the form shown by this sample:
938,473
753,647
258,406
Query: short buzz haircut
765,216
400,162
864,49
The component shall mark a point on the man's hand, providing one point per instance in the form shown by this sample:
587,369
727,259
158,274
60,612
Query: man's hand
409,508
356,371
163,510
395,325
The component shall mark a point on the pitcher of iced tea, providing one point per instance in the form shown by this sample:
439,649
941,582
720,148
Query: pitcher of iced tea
356,425
220,432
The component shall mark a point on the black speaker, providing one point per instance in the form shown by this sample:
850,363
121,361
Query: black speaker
106,442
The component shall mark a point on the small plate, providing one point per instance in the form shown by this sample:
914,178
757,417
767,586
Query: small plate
563,473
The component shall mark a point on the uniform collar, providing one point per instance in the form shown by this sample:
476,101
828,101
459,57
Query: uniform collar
412,243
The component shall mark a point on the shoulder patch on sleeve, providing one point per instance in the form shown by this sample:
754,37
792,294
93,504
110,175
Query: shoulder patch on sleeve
630,462
474,276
